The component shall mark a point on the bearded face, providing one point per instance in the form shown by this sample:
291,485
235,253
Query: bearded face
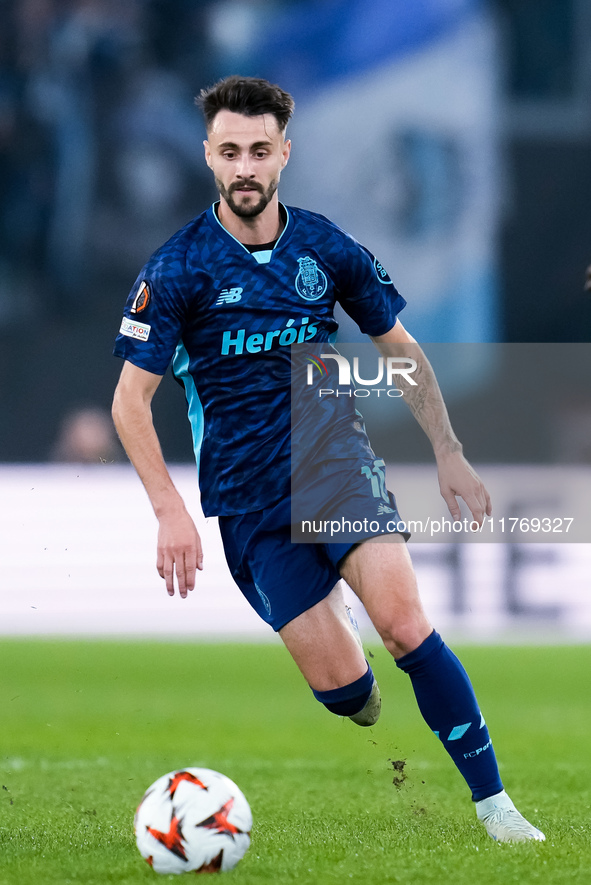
247,199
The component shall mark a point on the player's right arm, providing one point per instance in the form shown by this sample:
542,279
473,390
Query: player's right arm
179,545
457,478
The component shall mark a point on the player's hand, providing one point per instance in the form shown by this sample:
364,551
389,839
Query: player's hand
179,551
457,479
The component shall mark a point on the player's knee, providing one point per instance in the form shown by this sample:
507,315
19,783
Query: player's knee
350,700
401,636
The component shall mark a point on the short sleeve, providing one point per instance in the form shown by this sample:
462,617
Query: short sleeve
367,293
153,322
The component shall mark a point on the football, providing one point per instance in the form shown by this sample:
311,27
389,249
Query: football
193,820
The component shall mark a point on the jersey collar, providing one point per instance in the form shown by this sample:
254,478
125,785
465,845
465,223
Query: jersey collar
259,257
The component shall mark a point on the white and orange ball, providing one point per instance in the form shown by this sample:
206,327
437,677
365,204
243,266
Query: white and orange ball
193,820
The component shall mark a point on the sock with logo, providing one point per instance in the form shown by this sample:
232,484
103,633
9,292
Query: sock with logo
349,699
447,702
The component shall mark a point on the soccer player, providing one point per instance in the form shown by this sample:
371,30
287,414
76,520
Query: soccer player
224,299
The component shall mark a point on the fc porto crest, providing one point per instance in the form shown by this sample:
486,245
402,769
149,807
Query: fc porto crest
311,282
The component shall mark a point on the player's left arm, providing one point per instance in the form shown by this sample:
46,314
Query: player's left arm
456,477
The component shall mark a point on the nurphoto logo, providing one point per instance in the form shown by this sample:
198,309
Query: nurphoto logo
390,369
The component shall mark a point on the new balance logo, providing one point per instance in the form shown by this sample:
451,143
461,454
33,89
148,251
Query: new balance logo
229,296
383,508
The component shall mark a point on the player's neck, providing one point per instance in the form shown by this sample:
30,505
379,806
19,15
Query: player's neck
263,228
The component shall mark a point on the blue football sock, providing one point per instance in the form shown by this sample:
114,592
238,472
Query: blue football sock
447,702
349,699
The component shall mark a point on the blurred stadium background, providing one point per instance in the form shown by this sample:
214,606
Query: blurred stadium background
453,137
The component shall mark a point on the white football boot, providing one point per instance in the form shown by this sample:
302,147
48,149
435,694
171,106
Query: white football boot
370,713
503,822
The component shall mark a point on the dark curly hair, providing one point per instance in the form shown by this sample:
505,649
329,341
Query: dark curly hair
246,95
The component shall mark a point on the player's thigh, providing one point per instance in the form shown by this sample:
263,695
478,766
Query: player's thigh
295,588
381,574
322,644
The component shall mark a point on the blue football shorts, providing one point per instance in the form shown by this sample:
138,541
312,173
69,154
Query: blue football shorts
284,566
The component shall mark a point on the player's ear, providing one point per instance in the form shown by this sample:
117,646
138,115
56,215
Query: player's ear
207,153
286,152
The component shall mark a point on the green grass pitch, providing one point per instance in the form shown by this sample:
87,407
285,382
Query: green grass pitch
87,726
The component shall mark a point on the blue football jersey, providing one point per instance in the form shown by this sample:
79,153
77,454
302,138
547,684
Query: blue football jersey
227,318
